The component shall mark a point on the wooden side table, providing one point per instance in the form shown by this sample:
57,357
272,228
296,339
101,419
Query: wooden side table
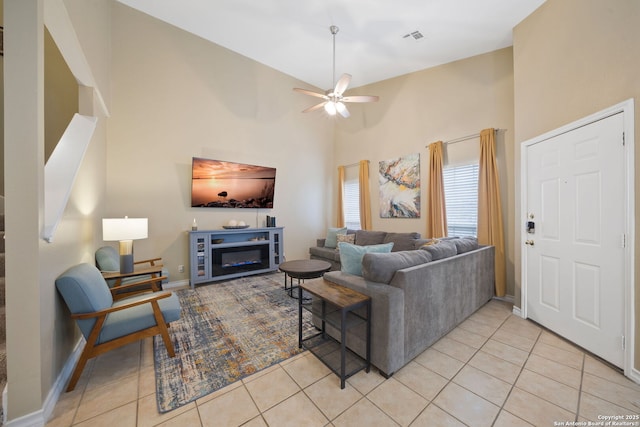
338,308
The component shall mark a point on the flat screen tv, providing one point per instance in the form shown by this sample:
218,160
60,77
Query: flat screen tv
221,184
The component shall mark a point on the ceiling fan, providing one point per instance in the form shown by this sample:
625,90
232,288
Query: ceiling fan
333,99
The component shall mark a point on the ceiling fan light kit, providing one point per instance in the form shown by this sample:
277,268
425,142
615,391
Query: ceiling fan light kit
333,99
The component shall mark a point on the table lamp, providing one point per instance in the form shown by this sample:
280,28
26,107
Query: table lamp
125,231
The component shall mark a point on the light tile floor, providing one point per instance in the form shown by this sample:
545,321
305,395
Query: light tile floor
495,369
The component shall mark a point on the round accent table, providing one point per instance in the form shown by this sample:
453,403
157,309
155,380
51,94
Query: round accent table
302,269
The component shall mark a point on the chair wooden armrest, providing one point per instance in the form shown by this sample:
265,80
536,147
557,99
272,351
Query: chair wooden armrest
151,261
152,280
148,299
119,291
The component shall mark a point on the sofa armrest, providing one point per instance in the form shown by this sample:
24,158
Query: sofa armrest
387,321
320,242
442,294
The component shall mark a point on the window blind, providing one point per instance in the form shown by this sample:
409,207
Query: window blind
351,204
461,198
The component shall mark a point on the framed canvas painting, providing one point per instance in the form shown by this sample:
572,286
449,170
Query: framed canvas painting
399,181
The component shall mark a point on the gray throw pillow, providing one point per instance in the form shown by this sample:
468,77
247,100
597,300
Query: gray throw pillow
366,237
332,236
402,241
442,249
379,267
466,244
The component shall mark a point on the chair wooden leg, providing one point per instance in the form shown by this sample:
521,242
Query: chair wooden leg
162,326
87,352
84,357
167,340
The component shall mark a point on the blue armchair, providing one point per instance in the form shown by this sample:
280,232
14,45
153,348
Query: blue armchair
106,324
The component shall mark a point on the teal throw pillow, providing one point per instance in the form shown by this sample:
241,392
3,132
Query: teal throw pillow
332,236
351,255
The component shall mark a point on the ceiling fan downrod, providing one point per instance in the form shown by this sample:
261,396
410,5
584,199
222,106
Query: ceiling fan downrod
331,107
334,30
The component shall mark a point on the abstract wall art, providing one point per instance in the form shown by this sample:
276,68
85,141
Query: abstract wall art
399,181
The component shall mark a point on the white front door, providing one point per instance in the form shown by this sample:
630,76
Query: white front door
575,256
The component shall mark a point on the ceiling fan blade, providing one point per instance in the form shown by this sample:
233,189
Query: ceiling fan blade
342,84
314,107
342,110
361,98
308,92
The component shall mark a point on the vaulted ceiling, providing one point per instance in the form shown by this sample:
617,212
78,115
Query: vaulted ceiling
378,39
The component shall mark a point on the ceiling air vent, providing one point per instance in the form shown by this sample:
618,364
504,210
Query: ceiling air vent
416,35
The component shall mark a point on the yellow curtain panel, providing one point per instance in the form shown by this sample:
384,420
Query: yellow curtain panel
340,221
436,210
365,197
490,230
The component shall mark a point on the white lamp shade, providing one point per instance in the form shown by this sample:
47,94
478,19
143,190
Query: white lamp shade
124,228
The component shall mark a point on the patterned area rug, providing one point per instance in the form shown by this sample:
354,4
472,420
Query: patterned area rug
228,330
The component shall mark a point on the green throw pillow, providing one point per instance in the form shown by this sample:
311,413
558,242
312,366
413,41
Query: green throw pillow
332,237
351,255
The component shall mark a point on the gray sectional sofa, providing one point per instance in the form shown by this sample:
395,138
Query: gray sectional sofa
417,297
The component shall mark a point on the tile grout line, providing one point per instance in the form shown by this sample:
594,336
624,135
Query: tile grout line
584,357
501,408
450,380
516,380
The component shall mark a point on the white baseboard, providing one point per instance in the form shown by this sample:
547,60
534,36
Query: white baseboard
34,419
508,298
175,285
635,375
39,418
517,311
4,405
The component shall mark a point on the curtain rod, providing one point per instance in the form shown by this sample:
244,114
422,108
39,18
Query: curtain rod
466,138
354,164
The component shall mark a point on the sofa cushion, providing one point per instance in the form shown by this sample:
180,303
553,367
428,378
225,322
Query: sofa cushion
466,244
351,255
402,241
332,236
442,249
368,237
380,267
327,253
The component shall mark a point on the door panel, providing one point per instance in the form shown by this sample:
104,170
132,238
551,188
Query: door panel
550,282
575,262
586,292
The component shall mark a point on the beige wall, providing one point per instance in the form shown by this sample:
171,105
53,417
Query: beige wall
573,58
60,95
176,96
40,335
441,103
2,110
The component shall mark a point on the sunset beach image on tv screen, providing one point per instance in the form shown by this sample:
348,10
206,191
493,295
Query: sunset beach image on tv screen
221,184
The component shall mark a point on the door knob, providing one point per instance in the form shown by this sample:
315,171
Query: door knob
529,242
